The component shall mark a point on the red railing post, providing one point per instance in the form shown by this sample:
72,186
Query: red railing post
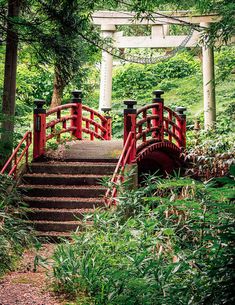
158,110
108,124
130,126
181,123
77,112
39,129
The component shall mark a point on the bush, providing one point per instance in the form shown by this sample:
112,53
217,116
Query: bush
225,62
133,80
210,153
15,236
154,250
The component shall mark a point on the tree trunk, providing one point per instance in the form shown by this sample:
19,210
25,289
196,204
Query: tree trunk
58,88
9,89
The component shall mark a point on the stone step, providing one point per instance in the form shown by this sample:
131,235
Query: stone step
53,236
63,202
58,226
62,194
59,214
77,168
90,191
88,160
65,179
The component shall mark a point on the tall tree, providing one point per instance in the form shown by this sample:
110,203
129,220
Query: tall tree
73,52
9,89
60,42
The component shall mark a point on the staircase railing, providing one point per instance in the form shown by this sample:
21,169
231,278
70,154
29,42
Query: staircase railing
77,119
118,175
22,150
128,155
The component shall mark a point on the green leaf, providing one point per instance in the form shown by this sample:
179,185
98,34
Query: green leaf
232,170
168,231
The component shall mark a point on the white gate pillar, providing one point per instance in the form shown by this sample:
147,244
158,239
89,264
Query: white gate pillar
106,71
208,85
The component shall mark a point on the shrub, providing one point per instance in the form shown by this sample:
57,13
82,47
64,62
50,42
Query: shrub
154,250
225,62
132,80
211,153
15,236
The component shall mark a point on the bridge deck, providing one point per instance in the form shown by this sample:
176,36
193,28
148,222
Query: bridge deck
91,150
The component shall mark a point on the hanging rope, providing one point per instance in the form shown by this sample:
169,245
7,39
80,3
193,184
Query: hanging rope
154,59
107,47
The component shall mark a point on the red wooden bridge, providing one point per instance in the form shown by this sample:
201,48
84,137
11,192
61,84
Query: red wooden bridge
60,191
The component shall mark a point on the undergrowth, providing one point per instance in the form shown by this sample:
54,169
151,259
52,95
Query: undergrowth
211,153
169,242
15,236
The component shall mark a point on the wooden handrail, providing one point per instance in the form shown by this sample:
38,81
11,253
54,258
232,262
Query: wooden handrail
59,108
101,131
100,116
26,138
118,173
171,127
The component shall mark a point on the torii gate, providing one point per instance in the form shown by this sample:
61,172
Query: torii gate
159,38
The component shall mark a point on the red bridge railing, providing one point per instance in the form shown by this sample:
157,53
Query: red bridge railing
159,123
78,120
150,124
74,118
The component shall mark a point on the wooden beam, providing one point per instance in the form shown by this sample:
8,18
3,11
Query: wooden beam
128,18
154,41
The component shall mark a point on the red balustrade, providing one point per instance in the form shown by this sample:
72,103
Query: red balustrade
74,118
147,123
174,127
19,152
160,123
96,125
60,118
154,123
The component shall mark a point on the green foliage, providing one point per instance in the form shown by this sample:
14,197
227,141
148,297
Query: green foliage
186,91
33,82
15,236
225,62
211,153
152,250
132,79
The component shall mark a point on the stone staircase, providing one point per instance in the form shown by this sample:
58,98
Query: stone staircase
60,193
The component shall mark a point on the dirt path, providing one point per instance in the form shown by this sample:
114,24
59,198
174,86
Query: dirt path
26,287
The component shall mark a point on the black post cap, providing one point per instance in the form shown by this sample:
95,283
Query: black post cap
130,104
180,110
39,103
77,94
158,93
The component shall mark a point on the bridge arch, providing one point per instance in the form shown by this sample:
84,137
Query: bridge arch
161,157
